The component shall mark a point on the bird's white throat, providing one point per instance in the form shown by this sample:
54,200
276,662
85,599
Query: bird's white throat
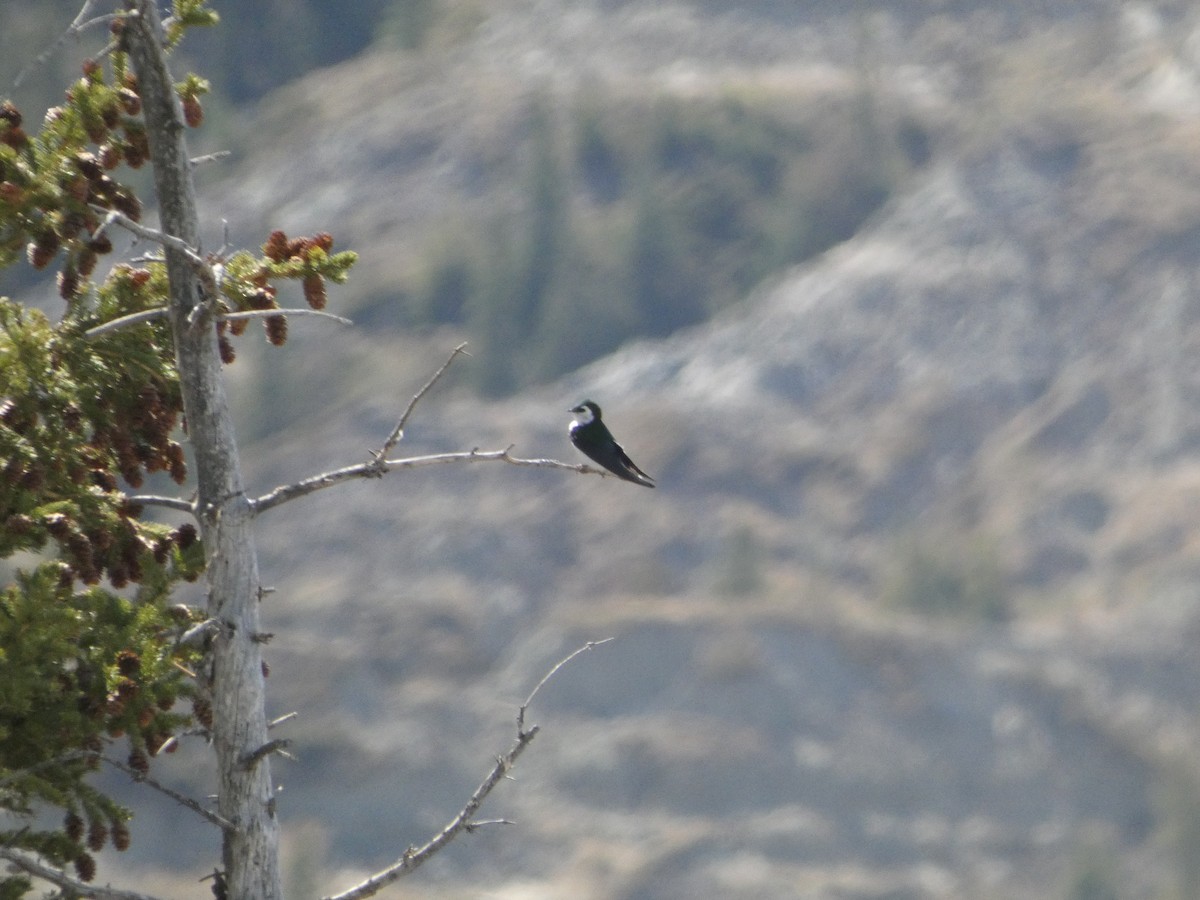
582,418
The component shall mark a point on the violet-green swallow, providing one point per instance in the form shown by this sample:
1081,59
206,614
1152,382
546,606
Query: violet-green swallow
593,439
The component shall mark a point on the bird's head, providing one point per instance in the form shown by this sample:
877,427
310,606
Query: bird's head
586,412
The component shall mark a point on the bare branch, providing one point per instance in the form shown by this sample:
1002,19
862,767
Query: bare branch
181,799
465,820
72,885
472,827
311,485
169,502
380,464
377,468
398,431
137,318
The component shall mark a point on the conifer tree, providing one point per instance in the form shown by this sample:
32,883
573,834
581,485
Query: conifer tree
92,650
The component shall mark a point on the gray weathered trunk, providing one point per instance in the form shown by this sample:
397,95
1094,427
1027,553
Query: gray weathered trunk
250,852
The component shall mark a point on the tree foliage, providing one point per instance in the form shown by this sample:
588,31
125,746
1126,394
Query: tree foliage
89,646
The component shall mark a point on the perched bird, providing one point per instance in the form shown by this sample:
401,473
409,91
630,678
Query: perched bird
593,439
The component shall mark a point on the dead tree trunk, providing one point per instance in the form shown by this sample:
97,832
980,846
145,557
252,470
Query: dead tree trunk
246,794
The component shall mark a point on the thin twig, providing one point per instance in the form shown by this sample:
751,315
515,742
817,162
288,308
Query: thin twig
181,799
398,432
209,157
267,313
414,857
81,24
375,469
72,885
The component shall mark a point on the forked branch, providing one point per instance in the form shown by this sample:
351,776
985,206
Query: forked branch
115,217
414,857
380,464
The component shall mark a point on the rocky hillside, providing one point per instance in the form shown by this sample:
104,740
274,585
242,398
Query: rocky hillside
925,398
912,612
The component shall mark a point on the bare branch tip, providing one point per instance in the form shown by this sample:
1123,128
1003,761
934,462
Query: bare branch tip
135,318
553,671
472,827
210,157
268,313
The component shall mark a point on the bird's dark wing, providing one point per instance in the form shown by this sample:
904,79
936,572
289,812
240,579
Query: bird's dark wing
624,457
